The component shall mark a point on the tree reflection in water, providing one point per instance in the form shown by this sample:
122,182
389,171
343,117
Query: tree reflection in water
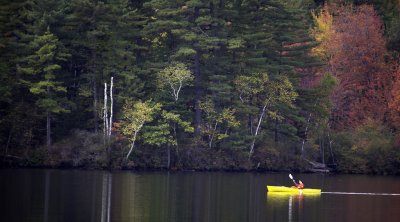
276,202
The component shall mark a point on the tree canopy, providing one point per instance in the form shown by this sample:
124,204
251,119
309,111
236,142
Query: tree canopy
225,83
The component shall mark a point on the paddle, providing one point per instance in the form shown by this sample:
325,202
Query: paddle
291,177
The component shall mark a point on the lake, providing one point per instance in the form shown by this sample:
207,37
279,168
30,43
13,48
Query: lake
78,195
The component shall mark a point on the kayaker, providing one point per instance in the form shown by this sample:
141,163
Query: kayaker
299,185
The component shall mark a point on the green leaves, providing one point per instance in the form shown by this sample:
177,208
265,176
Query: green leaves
172,119
39,73
164,130
159,135
259,88
217,123
236,43
175,77
185,52
51,105
159,132
135,115
238,50
50,69
252,85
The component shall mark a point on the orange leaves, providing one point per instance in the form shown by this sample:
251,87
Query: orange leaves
357,46
355,51
394,104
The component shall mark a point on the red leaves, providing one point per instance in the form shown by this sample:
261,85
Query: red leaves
356,50
394,104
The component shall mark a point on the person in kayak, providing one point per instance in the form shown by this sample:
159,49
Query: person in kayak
299,185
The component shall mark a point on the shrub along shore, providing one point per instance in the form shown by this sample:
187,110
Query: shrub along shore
367,151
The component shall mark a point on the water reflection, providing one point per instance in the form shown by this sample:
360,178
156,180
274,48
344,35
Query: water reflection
187,197
46,196
279,202
106,197
68,195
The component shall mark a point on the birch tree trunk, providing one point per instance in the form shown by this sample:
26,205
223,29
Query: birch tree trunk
108,120
305,136
133,144
330,147
257,130
212,134
111,108
105,111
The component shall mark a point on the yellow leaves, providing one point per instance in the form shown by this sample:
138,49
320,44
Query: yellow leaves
175,76
135,115
322,31
164,34
159,39
286,92
228,115
251,85
176,73
269,92
323,22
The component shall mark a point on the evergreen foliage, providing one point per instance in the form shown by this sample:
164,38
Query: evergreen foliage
222,79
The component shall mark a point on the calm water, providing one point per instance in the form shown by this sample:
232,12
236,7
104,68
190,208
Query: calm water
72,195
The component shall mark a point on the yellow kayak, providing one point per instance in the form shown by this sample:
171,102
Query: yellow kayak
292,190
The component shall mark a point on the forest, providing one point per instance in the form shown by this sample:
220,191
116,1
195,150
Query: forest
267,85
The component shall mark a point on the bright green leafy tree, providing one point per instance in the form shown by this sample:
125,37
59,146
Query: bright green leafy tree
259,91
216,124
175,77
134,116
164,132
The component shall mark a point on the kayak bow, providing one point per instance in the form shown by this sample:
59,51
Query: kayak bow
292,190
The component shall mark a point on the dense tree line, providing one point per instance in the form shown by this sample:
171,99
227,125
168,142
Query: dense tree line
199,84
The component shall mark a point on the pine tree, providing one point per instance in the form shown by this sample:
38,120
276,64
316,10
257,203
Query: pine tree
295,60
9,97
188,30
87,34
29,21
40,70
126,59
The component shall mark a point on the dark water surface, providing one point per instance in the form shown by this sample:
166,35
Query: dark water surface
74,195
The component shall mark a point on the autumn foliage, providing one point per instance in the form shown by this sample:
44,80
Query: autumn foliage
322,32
394,104
355,52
